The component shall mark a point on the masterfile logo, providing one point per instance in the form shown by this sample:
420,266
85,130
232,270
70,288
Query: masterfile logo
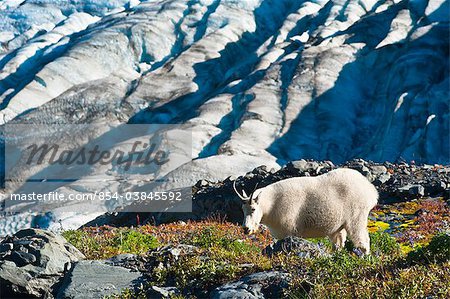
113,166
52,154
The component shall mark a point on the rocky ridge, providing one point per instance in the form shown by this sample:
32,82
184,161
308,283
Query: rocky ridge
395,182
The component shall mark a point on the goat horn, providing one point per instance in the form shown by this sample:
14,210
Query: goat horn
256,187
251,194
238,194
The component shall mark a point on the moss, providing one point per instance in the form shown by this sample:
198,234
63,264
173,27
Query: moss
132,241
405,249
212,238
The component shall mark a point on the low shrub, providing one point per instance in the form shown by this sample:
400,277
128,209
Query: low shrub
132,241
221,258
437,251
383,243
196,273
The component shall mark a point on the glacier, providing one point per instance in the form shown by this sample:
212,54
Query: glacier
257,82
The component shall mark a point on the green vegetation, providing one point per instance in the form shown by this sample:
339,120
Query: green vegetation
108,244
387,273
437,251
413,264
215,240
221,258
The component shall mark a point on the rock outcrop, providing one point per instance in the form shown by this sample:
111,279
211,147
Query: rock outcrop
96,279
33,261
254,286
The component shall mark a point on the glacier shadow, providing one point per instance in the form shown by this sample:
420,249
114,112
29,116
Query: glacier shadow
355,116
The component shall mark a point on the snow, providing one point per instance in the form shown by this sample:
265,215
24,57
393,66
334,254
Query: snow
437,10
10,4
400,27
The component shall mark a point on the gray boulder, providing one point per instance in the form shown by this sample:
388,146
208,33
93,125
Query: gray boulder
378,169
254,286
308,167
32,261
295,245
121,259
96,279
162,292
381,179
412,190
165,257
22,258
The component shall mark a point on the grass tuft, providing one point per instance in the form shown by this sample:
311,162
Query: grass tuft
107,243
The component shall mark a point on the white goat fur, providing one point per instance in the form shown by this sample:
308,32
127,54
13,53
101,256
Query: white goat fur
333,204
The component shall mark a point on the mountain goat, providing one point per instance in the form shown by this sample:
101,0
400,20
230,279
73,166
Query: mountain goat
330,205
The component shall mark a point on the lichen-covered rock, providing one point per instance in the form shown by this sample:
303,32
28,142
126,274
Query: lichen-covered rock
32,261
254,286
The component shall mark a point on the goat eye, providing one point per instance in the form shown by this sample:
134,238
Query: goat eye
253,210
